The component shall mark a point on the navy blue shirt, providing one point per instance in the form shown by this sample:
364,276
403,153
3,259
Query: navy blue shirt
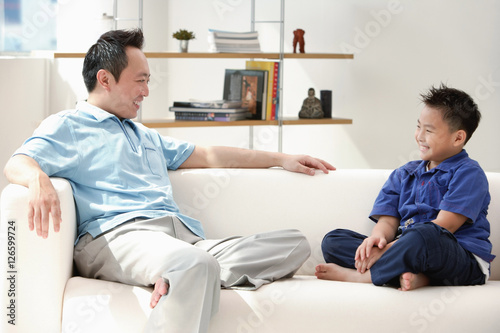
459,185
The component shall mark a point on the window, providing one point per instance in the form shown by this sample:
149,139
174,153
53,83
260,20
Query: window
27,25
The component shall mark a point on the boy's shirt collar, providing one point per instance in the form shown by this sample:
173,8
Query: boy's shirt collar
446,165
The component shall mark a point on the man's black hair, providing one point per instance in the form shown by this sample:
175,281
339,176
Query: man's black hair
109,53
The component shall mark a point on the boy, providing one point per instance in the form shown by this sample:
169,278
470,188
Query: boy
431,214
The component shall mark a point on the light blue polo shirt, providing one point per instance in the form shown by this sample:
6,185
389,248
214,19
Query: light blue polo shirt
118,169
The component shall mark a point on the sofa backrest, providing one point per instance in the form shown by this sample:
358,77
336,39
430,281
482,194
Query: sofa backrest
245,201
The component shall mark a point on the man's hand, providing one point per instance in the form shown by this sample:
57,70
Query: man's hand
43,199
306,164
43,203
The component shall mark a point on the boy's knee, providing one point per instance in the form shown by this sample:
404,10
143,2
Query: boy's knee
333,239
427,230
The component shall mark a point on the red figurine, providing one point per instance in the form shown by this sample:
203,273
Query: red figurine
298,37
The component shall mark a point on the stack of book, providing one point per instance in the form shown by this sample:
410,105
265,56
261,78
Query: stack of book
233,42
249,93
210,110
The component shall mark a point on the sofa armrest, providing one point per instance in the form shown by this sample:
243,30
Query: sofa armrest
34,270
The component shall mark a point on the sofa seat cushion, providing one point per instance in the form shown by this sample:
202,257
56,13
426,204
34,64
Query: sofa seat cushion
301,304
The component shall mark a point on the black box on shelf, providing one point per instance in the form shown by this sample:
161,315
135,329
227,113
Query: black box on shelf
326,103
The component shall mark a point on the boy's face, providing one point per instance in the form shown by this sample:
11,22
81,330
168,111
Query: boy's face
435,140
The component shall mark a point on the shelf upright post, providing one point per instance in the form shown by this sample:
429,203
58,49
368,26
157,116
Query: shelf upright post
282,52
252,28
279,115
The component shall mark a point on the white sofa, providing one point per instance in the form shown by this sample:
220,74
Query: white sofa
48,298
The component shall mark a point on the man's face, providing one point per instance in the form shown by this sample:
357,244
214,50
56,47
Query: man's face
128,93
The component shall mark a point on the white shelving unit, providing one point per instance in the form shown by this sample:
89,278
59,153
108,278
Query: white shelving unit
280,56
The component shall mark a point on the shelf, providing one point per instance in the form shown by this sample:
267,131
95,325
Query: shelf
322,121
172,123
209,55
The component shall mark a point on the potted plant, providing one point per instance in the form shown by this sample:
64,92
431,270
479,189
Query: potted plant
184,37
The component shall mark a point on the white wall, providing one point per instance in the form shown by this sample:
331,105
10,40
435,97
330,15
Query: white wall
401,48
23,92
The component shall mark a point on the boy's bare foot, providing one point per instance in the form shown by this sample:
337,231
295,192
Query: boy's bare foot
410,281
161,288
338,273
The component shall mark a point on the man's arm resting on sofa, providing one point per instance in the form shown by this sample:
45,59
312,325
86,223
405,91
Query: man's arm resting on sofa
43,201
231,157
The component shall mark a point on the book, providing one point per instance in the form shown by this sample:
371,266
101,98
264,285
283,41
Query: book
234,34
208,109
272,67
248,86
211,116
233,42
216,104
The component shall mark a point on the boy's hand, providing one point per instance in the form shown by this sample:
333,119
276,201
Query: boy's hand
369,252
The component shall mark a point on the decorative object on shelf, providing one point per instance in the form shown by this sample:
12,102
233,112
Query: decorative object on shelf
326,102
183,36
311,107
298,37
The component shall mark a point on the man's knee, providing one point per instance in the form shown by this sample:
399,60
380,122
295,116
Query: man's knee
202,258
195,260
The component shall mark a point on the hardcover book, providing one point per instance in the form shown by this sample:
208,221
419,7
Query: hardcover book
210,116
233,42
272,68
207,109
248,86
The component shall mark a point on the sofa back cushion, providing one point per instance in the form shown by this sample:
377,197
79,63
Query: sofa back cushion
245,201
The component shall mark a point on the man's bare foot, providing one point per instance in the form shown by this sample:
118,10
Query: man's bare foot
410,281
161,288
338,273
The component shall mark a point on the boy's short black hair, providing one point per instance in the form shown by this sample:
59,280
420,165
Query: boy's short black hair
109,53
459,110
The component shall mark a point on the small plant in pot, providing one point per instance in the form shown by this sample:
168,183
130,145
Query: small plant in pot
184,37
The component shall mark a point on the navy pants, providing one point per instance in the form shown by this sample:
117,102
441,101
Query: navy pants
424,248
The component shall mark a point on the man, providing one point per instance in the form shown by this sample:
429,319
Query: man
129,228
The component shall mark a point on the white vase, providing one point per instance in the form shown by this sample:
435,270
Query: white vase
183,45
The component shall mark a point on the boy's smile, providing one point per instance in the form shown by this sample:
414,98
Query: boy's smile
435,139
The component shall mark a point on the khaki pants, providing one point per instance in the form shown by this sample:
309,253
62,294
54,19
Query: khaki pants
141,251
